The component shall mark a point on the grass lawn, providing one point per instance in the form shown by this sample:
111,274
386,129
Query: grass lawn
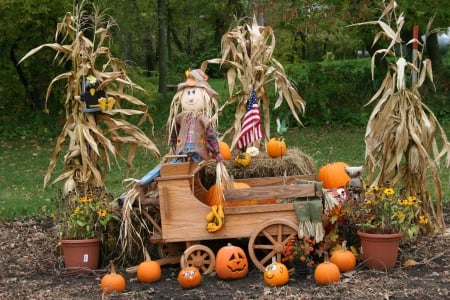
24,162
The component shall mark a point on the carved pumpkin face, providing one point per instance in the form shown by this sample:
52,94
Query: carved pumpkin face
276,274
231,262
189,277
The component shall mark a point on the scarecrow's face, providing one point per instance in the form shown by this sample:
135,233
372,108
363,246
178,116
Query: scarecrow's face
192,99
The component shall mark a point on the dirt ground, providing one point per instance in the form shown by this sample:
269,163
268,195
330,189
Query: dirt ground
30,269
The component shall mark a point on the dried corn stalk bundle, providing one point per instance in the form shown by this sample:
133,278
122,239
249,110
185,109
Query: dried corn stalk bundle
247,54
402,132
92,145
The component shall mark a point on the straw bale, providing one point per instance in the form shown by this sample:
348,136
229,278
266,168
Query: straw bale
294,162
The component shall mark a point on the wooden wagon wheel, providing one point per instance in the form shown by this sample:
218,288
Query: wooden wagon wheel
276,233
199,256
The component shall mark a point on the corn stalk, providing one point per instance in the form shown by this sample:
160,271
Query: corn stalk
403,135
93,138
247,54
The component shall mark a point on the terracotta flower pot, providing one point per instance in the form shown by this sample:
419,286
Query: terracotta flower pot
81,255
380,250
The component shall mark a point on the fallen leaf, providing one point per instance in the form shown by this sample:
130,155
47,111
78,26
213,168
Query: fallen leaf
410,263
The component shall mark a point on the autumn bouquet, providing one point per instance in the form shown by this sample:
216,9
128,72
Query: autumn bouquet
299,250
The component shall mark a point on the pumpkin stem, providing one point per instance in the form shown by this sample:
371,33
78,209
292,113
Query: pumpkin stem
344,245
147,255
326,258
113,268
274,260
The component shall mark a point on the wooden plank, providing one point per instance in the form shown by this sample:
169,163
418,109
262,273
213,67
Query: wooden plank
256,209
270,192
266,181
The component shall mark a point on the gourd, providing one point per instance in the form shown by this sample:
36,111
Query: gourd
276,274
189,277
148,271
333,174
231,262
343,258
113,282
243,160
326,272
224,150
276,147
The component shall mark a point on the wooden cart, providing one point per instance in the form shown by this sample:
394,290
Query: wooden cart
182,216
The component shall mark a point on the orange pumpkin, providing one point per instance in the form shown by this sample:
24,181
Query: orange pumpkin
189,277
276,147
214,197
343,258
333,175
224,150
148,271
231,262
276,274
113,282
326,272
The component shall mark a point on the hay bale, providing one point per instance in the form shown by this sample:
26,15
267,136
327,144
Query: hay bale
294,162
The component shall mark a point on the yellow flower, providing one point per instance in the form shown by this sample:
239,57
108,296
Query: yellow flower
423,219
399,214
102,213
78,211
389,191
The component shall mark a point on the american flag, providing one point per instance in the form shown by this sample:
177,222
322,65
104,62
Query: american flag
251,129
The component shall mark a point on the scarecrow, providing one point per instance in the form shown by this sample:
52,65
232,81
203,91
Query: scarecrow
193,130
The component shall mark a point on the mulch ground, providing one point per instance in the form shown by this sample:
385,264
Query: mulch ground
31,268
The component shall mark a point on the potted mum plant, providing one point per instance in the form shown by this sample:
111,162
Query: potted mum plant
383,216
85,219
298,253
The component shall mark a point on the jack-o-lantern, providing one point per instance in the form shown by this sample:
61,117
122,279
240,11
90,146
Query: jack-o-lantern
276,274
189,277
231,262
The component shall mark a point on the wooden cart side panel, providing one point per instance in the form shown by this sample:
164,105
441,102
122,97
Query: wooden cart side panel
265,181
271,192
184,215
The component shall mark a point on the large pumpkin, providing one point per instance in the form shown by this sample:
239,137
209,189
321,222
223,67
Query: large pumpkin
231,262
276,274
276,147
333,175
189,277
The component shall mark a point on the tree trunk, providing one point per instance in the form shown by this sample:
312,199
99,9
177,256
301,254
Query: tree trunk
22,77
162,47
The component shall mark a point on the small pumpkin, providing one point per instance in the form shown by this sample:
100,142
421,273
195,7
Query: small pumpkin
326,272
343,258
224,150
276,147
148,271
231,262
112,282
189,277
243,160
276,274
